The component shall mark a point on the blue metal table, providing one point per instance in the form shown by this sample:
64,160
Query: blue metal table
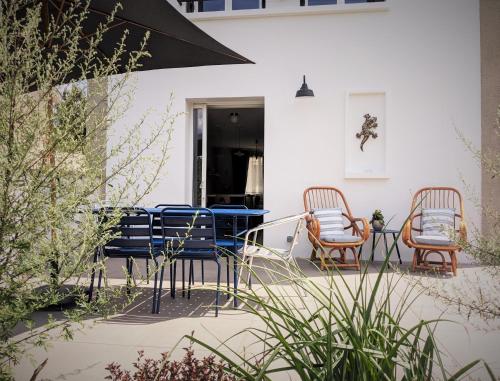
221,212
234,213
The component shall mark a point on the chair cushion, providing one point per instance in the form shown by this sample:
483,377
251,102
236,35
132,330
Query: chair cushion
438,222
343,238
330,222
434,240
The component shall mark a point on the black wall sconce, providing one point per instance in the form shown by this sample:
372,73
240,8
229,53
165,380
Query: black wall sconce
304,91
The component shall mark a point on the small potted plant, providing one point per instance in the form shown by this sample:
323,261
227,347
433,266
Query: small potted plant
377,220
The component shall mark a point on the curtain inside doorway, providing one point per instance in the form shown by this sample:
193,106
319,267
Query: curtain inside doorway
255,176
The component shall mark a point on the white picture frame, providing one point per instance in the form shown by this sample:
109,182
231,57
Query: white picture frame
371,163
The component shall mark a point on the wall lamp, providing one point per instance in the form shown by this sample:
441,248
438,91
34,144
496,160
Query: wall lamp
304,91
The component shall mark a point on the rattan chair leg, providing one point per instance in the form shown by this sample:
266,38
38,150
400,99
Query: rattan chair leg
414,262
322,255
453,257
356,258
342,256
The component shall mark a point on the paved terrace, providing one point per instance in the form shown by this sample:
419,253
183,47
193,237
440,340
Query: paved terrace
119,338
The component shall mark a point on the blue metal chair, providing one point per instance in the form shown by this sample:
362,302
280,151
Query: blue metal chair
188,234
134,240
226,239
158,237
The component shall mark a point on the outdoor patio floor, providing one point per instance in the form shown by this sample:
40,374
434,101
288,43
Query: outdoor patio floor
120,337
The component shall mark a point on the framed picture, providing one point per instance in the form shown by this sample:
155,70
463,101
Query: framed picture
366,135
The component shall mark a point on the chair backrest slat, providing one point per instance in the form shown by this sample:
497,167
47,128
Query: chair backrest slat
134,231
156,217
188,232
322,197
129,242
186,221
188,229
135,220
190,244
436,197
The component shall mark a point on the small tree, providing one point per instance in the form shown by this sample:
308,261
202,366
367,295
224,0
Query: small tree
55,165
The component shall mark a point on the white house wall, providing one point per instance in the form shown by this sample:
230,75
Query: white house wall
424,54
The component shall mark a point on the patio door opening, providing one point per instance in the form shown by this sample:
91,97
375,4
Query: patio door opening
228,166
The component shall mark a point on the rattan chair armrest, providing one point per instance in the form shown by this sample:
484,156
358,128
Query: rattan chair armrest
365,231
406,234
366,228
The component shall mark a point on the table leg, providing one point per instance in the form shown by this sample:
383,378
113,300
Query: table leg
397,248
235,265
373,246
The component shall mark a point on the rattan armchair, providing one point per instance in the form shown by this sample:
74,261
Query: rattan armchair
435,197
322,197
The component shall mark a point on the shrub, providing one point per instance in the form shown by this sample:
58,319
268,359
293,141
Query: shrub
55,166
188,369
332,330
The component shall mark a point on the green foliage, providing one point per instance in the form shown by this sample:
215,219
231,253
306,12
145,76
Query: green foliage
55,167
479,294
328,329
189,368
378,216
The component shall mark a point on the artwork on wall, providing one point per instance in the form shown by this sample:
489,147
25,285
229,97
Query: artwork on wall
367,130
366,135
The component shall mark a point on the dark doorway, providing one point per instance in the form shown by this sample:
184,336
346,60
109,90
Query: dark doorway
235,141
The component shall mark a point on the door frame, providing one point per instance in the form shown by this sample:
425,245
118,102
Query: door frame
204,104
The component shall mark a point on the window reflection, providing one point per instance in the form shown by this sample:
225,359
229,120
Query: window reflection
246,4
321,2
363,1
211,5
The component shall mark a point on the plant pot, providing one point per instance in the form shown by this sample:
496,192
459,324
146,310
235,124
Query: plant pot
377,225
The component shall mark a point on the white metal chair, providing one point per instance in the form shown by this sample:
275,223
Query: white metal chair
251,249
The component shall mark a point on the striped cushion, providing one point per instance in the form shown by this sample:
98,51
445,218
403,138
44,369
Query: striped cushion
438,222
434,240
346,238
330,222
